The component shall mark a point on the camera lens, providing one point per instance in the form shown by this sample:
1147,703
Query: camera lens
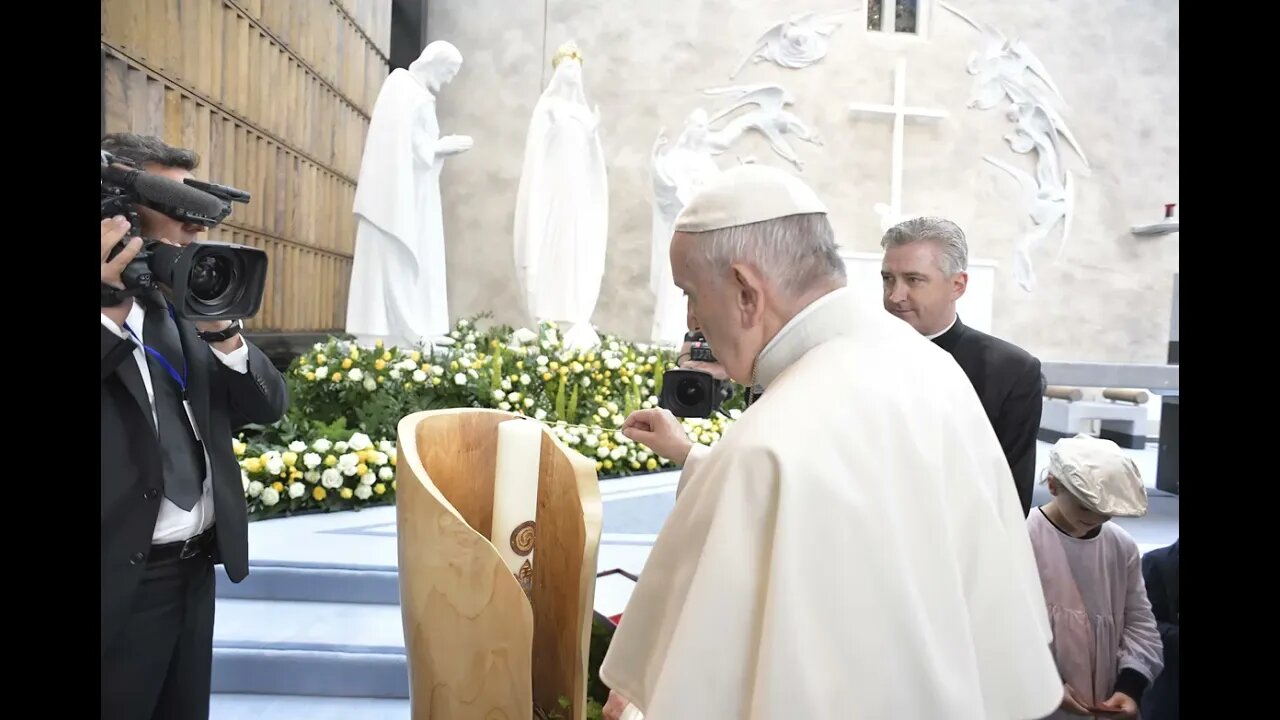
213,277
690,393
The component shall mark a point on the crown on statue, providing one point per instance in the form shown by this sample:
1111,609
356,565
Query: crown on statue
566,51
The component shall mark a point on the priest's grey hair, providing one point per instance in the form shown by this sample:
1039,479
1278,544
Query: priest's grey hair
796,252
945,234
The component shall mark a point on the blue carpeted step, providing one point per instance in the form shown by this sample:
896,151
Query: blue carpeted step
286,647
302,707
314,582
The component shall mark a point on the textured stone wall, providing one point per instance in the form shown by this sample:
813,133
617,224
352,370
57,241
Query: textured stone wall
1108,299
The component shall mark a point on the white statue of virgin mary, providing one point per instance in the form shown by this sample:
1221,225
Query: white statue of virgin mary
397,291
562,207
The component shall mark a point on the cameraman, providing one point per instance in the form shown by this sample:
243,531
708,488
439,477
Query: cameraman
171,494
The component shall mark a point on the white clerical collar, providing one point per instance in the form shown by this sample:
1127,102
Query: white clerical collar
795,321
945,330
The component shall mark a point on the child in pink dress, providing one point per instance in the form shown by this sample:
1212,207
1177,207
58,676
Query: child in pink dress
1105,637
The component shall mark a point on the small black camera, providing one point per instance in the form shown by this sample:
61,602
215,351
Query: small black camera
206,280
694,393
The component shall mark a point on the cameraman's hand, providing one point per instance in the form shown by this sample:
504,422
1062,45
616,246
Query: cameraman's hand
113,229
660,431
453,144
716,369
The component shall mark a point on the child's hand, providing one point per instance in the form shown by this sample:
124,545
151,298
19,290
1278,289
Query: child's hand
1071,704
1119,706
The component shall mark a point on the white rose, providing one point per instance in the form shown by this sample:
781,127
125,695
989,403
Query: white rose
604,411
364,492
618,420
378,458
504,406
649,382
359,441
591,441
244,480
613,408
618,453
464,323
586,381
356,374
311,476
386,474
642,456
406,365
297,490
331,478
370,384
368,479
311,460
637,380
542,360
460,379
653,399
613,363
514,397
524,336
297,446
602,452
528,402
619,438
270,496
499,395
347,464
340,446
395,374
274,466
506,384
255,488
525,379
322,372
540,414
469,347
385,446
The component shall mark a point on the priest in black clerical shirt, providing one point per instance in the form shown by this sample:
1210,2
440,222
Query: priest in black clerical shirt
924,274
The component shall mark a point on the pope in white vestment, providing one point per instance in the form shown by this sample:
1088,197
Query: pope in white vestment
397,291
853,547
562,206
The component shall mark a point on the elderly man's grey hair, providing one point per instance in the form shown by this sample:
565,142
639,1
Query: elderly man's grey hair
945,234
796,252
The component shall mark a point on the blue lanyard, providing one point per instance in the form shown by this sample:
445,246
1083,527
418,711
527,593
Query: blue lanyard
180,379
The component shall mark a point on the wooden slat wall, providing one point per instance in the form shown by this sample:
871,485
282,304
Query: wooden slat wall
275,95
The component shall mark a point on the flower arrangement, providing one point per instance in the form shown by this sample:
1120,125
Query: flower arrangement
321,456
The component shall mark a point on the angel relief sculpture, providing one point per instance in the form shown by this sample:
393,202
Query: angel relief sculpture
797,42
1005,70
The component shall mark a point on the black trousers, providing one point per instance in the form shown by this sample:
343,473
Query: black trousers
159,667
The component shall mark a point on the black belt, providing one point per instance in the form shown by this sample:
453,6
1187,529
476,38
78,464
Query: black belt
178,551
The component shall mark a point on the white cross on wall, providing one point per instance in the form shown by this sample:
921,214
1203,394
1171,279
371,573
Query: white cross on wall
891,214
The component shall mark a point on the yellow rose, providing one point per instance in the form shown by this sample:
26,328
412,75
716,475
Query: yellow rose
599,466
380,488
239,447
279,486
346,364
361,469
311,376
435,381
294,473
330,461
355,353
386,356
393,460
415,356
393,484
650,464
381,379
337,377
608,464
377,343
252,465
318,493
379,364
554,365
453,365
290,458
263,458
345,493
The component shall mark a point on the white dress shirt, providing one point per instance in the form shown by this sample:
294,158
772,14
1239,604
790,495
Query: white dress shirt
173,523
